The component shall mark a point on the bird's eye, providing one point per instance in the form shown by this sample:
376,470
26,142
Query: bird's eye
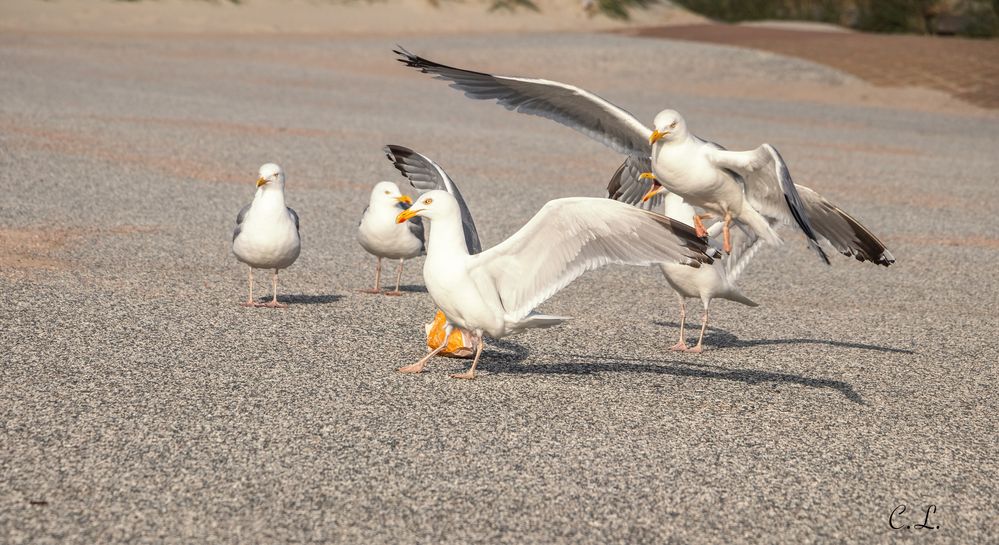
427,201
672,125
386,192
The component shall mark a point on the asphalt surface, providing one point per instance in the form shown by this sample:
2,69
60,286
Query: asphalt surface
139,403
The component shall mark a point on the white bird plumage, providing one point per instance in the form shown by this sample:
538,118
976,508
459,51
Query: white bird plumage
496,291
266,234
751,187
382,237
707,283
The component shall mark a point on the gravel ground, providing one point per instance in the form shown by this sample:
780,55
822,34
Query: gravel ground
139,403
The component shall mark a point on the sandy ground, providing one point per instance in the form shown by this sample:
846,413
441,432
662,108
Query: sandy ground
327,17
140,403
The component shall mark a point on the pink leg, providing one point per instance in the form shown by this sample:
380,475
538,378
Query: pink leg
470,374
274,302
378,279
699,227
700,340
250,302
681,345
727,238
398,279
418,366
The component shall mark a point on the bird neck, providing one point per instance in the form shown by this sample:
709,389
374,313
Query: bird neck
269,197
446,238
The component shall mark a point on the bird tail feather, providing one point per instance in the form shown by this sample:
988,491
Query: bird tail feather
536,321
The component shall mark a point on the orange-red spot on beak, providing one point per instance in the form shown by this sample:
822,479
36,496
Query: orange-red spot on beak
656,188
405,215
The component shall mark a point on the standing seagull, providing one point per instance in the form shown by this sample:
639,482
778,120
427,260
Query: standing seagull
379,234
266,234
752,187
495,292
707,283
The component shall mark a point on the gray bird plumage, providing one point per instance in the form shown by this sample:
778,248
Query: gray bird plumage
425,175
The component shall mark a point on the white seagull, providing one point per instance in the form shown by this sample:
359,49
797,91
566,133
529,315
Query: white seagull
845,233
707,283
749,186
381,236
266,234
495,292
704,283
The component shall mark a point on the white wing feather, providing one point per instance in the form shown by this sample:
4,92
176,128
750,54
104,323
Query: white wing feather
566,104
571,236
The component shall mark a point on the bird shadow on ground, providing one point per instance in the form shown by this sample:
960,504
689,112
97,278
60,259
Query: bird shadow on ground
511,355
719,338
413,288
300,299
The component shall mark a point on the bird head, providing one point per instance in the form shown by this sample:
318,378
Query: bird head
388,194
271,175
431,205
668,126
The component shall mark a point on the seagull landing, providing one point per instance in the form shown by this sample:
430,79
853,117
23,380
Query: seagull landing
751,187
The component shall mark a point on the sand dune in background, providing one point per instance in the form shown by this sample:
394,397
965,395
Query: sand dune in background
329,17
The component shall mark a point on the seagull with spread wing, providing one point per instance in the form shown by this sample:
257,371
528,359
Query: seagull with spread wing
752,187
496,291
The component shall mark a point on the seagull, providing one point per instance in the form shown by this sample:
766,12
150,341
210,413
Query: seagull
845,233
632,184
751,187
706,283
494,292
266,234
379,234
425,175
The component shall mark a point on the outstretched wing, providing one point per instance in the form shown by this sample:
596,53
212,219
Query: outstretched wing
626,186
566,104
769,188
425,175
846,234
571,236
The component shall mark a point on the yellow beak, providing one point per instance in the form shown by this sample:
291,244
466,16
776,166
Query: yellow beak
406,215
405,199
656,135
656,188
261,182
646,176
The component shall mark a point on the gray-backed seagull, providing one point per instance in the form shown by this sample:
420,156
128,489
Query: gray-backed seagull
751,187
495,292
266,234
382,237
